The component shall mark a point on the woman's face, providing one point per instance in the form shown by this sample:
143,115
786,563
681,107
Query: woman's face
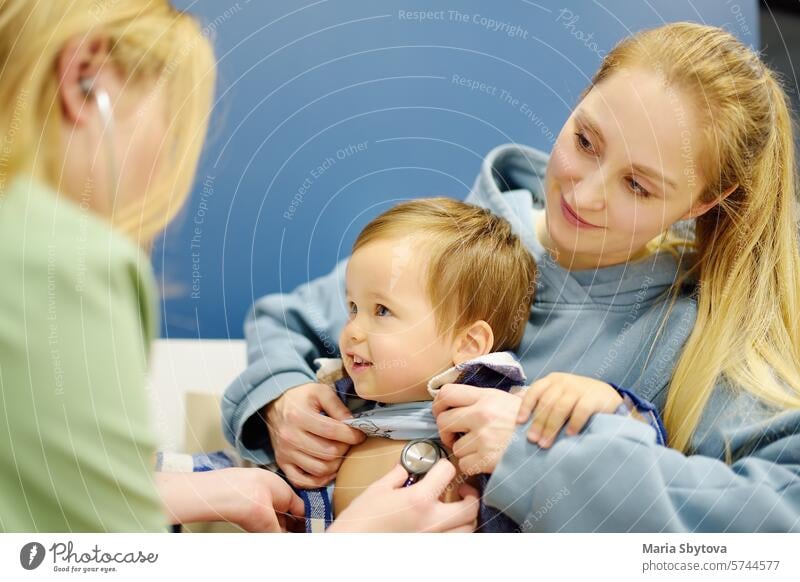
623,170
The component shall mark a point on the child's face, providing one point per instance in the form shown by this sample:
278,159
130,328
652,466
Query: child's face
391,325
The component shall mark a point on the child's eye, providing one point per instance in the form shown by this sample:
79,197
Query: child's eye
637,188
382,310
583,142
352,309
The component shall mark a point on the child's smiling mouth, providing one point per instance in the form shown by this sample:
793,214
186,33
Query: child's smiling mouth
357,363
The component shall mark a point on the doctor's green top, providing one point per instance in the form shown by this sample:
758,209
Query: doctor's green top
76,324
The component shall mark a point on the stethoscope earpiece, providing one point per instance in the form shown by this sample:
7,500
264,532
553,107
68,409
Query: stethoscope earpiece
87,85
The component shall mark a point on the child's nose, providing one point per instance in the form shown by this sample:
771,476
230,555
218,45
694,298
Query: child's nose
354,333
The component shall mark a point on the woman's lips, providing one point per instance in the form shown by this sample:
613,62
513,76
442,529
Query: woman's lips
572,217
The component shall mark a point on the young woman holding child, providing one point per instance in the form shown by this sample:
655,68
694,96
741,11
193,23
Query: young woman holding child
437,291
682,126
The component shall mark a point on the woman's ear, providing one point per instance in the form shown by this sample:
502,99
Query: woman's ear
701,208
79,60
477,340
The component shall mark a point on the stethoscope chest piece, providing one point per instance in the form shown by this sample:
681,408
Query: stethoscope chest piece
418,457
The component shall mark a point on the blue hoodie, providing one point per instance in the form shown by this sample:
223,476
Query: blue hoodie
615,324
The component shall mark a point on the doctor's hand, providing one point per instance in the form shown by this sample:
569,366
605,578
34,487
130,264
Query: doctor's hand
476,423
387,506
254,499
309,446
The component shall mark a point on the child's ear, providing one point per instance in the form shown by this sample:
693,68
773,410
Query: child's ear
475,341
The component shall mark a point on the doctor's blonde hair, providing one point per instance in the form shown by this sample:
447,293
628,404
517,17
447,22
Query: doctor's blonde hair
746,261
146,39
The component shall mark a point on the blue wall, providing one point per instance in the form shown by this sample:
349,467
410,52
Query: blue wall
329,112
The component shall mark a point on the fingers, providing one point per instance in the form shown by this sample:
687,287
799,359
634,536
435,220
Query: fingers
451,423
448,438
466,445
309,446
557,418
545,404
332,429
580,416
453,396
394,479
315,446
472,464
466,490
305,444
457,516
304,470
456,420
530,398
303,480
296,506
437,479
271,523
290,511
284,500
331,404
314,466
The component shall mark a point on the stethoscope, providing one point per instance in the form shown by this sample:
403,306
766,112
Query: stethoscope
418,457
104,107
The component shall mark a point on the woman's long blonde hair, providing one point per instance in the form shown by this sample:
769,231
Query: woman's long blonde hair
146,39
746,259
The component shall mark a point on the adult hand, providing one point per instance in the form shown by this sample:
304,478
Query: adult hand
558,397
254,499
262,501
387,506
309,446
476,423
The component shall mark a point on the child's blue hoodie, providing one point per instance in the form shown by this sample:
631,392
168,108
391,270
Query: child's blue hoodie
600,323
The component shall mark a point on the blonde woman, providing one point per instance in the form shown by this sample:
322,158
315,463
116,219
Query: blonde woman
103,110
681,126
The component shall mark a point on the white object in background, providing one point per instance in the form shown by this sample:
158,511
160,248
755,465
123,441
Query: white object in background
179,366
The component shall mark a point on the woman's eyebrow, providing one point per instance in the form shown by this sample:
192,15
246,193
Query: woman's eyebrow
652,174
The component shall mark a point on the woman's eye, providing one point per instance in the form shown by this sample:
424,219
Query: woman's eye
382,310
637,188
583,142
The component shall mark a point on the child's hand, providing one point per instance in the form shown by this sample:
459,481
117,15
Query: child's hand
558,397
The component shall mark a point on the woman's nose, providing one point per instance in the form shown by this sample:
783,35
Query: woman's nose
590,192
